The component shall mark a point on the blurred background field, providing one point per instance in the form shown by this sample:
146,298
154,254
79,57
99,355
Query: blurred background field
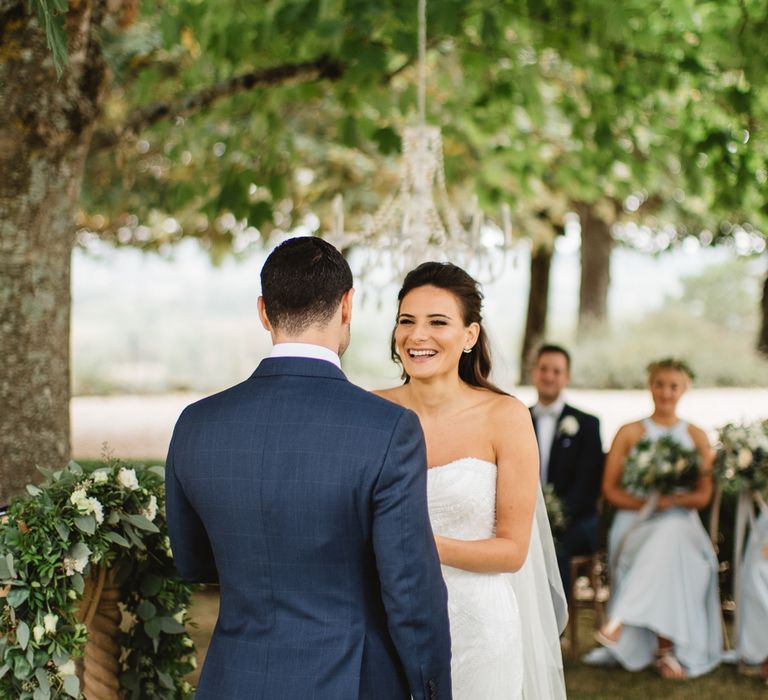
144,324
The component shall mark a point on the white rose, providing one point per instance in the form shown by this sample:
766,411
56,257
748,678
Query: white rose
127,479
49,622
79,499
97,509
77,559
67,669
38,632
150,512
730,473
569,425
100,477
745,457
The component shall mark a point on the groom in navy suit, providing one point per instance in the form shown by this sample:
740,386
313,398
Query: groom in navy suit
304,498
570,455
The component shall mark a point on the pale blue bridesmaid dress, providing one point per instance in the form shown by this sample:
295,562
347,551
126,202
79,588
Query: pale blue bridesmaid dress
752,644
664,582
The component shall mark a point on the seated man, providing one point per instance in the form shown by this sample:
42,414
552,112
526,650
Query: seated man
571,455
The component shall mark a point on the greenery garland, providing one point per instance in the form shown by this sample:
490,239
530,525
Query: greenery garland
110,515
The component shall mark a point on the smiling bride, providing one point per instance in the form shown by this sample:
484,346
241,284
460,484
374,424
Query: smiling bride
505,601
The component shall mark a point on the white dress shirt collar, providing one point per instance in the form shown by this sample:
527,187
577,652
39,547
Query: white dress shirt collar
308,350
554,409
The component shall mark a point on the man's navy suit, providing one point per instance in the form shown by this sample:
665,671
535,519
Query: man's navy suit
575,471
305,498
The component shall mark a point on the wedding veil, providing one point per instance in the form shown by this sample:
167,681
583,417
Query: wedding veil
543,612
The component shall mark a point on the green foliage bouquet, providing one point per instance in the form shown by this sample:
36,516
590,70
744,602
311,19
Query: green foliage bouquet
742,457
555,510
661,465
110,516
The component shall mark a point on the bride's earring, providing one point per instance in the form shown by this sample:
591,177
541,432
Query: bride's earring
468,350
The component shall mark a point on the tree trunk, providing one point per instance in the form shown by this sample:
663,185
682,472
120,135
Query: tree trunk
762,339
596,246
45,130
538,301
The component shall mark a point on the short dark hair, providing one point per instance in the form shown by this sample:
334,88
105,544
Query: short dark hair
474,366
549,347
302,283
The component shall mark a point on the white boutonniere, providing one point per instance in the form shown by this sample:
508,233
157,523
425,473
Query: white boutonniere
569,426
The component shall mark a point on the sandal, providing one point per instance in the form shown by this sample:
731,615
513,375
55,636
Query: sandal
669,667
609,634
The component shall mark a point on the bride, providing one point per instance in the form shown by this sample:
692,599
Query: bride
485,502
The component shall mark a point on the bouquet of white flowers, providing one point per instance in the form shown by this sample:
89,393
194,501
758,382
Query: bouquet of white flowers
742,457
661,465
555,510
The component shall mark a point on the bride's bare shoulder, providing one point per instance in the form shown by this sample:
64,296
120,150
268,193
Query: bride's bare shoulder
508,408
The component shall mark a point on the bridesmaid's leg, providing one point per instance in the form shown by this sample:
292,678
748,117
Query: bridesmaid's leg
666,661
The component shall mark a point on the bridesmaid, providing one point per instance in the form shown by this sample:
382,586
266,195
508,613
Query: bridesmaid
752,644
664,604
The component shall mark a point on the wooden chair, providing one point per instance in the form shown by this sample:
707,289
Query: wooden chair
594,596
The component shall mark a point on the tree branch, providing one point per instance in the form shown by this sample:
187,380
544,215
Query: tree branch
142,117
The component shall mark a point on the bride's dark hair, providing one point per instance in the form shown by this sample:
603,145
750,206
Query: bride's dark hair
475,366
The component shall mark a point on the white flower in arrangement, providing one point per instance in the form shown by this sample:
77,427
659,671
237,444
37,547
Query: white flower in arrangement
680,465
67,668
569,425
38,632
745,458
127,479
77,559
730,473
79,499
167,546
150,512
193,662
50,621
644,459
100,477
97,509
187,642
72,594
179,616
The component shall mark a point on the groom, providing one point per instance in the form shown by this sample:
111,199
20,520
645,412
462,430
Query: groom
304,497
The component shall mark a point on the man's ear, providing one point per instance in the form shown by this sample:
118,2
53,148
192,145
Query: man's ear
346,307
263,315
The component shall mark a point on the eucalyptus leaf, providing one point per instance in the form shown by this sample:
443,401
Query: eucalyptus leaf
74,468
9,564
159,470
78,583
72,686
22,634
171,626
22,669
165,680
42,678
4,669
17,596
142,523
86,524
118,539
63,530
42,693
33,491
146,610
152,628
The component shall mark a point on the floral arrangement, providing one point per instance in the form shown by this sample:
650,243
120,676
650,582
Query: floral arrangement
661,465
555,510
79,519
742,457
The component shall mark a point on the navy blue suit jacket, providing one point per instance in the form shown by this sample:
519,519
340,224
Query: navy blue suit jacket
304,497
575,467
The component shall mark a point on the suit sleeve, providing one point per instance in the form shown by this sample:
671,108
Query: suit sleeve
192,552
586,489
411,581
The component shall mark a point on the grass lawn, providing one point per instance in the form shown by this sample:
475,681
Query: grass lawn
584,682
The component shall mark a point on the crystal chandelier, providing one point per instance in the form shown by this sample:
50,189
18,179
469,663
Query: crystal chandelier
417,222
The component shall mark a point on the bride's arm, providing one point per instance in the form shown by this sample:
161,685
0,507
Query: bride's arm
517,459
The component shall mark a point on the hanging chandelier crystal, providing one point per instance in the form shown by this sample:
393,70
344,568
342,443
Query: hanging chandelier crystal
417,222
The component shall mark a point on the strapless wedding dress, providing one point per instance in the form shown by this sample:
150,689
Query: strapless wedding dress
496,655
